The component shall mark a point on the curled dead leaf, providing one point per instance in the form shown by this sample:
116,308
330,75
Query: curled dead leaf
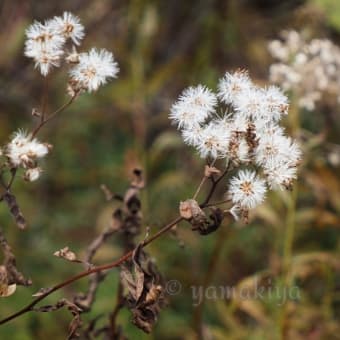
145,296
5,289
66,254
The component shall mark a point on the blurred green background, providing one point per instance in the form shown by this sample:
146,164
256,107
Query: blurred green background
163,47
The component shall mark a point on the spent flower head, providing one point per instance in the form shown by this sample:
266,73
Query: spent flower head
247,134
193,107
247,190
93,70
69,26
46,45
23,151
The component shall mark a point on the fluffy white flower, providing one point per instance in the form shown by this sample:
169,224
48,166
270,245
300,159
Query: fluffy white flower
23,151
239,124
279,148
193,107
93,70
279,174
69,26
264,127
250,104
246,189
44,44
213,141
275,104
192,136
232,85
43,36
247,134
46,58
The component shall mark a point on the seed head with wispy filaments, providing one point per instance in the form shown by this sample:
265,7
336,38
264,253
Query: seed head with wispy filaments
46,43
212,142
42,36
69,26
24,151
93,70
232,85
277,147
243,128
279,175
193,107
247,190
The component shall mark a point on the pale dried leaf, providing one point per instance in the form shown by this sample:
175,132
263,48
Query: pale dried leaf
7,290
66,254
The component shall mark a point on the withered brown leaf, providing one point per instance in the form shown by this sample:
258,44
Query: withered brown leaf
145,296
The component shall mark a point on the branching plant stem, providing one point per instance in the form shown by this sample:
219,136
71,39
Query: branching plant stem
108,266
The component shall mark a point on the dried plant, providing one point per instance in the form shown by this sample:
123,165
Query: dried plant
245,148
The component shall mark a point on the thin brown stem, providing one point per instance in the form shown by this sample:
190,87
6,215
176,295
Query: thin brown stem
213,187
44,99
111,265
83,274
52,115
13,173
200,187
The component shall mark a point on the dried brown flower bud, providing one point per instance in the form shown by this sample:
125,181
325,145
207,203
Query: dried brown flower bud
190,209
66,254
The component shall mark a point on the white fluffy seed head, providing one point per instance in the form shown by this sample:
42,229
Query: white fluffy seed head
43,36
24,151
279,175
45,59
278,148
94,69
213,141
250,104
44,45
275,104
69,26
247,134
193,107
247,190
192,136
232,85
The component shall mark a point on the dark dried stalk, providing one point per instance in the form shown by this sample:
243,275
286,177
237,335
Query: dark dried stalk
86,273
14,276
106,267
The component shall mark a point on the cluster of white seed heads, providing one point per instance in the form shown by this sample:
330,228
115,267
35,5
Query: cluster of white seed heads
240,124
